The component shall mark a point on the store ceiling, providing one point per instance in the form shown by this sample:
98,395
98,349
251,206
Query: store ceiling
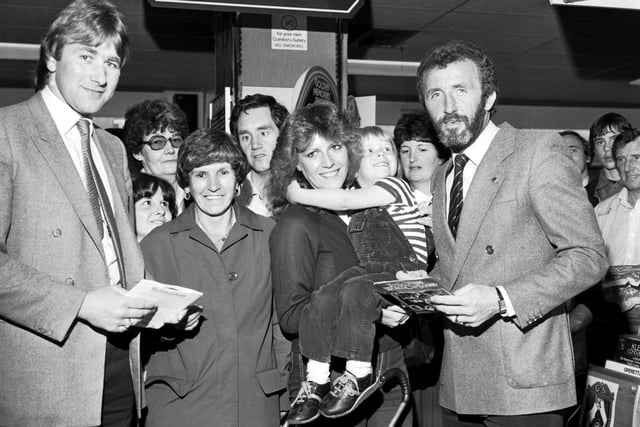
545,55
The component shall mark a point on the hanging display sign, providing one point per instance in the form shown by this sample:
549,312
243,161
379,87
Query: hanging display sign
323,8
314,85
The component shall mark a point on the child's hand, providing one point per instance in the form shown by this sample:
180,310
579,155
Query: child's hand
393,316
425,208
415,274
425,214
292,191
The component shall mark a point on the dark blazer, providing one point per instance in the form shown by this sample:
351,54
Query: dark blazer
223,373
525,225
51,365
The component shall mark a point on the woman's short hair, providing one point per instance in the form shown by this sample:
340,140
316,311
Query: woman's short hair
207,146
150,116
417,127
87,22
299,129
148,185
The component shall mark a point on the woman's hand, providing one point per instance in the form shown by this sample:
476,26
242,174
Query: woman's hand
187,319
292,191
393,316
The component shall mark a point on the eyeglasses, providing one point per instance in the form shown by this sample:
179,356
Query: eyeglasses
158,142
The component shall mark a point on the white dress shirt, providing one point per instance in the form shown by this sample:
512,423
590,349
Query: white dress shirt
475,152
65,119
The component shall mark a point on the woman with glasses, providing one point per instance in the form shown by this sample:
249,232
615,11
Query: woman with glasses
153,132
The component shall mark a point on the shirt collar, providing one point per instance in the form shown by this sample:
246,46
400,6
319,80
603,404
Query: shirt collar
187,220
63,115
480,146
622,197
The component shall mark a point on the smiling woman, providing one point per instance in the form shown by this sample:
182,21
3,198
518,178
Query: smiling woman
224,369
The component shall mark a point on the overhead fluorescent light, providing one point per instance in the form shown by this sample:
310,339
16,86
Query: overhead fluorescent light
20,51
618,4
372,67
635,82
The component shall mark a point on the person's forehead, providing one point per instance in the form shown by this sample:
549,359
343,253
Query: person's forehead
609,132
254,118
632,147
572,141
462,70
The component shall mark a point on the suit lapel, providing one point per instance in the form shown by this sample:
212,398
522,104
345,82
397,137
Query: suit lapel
47,139
487,180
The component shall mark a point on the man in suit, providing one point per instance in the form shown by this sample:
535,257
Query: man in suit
516,237
69,354
255,122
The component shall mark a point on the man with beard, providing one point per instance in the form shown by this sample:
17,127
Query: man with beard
516,238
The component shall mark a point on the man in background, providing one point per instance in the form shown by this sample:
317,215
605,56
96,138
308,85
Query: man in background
255,122
601,136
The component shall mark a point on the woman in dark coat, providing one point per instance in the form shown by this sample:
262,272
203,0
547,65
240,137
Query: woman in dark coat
310,246
223,372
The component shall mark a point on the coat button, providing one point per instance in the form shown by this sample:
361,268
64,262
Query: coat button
233,276
412,258
489,249
56,233
69,281
494,179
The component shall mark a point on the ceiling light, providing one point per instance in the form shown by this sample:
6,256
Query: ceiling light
619,4
19,51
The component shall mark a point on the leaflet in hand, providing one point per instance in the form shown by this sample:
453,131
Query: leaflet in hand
412,294
170,300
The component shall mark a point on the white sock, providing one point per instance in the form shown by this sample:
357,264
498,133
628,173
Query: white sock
359,369
318,372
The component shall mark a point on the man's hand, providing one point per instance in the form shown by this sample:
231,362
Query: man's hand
471,305
110,309
393,316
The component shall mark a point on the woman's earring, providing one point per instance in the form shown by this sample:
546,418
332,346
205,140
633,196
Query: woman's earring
237,192
187,195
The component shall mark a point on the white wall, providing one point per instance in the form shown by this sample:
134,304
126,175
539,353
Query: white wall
520,116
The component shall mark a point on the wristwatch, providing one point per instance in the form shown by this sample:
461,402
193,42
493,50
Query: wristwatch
502,306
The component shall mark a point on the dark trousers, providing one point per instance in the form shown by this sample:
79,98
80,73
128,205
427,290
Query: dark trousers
118,400
340,319
546,419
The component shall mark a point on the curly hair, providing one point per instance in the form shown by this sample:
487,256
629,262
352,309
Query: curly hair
445,54
151,116
147,185
299,129
206,146
87,22
278,111
418,127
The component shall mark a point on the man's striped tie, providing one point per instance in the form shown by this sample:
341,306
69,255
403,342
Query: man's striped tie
455,203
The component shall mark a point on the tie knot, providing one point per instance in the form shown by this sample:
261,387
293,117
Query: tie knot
84,126
461,160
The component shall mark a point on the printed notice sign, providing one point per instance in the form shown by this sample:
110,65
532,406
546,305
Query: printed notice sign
288,40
